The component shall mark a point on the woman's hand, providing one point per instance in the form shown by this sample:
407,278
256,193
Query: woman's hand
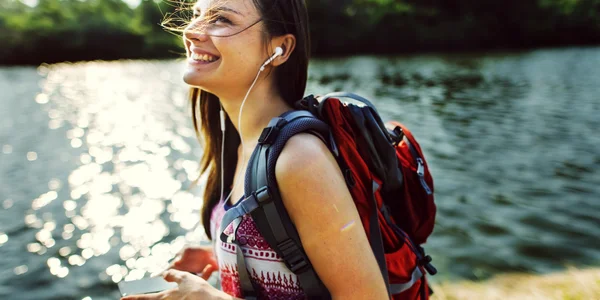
196,259
189,287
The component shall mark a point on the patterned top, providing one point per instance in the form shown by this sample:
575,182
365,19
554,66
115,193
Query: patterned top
267,270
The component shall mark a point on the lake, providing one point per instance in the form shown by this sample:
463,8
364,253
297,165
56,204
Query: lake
97,160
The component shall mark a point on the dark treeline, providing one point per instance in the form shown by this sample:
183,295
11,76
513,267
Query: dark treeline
72,30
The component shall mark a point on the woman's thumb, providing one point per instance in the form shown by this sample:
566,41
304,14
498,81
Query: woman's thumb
208,270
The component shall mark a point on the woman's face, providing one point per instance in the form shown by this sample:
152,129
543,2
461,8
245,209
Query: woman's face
221,55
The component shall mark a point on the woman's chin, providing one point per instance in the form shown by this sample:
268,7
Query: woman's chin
200,74
195,80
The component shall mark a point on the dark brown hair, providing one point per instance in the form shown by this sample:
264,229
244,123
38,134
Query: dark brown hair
279,17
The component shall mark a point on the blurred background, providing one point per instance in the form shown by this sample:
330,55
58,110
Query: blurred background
97,149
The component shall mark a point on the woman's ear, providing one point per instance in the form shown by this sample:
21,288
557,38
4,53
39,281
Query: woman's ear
287,43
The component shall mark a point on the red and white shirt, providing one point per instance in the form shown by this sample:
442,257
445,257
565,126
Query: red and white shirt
267,270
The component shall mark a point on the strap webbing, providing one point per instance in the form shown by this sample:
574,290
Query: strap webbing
234,215
294,258
397,288
240,209
246,283
376,239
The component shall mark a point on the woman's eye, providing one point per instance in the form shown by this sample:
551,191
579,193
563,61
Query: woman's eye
219,19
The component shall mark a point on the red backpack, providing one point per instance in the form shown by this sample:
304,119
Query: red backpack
386,173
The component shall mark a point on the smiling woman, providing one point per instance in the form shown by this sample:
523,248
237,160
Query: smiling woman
229,43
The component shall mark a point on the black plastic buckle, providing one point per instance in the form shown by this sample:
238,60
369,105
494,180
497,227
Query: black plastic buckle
311,104
262,195
425,261
292,256
269,134
398,135
304,102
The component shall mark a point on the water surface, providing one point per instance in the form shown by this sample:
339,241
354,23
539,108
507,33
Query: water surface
97,160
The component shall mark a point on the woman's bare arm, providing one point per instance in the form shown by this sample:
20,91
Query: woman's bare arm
315,194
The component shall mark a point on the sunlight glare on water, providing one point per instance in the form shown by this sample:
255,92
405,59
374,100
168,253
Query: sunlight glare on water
132,166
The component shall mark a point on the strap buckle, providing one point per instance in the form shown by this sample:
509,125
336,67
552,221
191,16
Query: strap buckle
262,195
397,135
293,258
425,261
270,133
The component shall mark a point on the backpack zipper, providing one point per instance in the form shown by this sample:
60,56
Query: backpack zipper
421,173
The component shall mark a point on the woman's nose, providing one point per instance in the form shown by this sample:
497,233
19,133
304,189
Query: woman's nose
194,32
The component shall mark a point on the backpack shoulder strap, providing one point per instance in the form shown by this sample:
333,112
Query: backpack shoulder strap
271,218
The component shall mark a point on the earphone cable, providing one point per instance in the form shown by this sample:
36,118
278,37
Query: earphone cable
222,152
241,141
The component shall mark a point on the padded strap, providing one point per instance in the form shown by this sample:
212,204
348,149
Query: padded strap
398,288
272,219
295,114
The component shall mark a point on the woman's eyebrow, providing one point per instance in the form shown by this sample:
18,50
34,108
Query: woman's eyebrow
198,10
225,8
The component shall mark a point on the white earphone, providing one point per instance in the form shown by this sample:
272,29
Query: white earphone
278,52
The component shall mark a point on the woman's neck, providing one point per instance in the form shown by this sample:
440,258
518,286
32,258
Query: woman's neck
263,104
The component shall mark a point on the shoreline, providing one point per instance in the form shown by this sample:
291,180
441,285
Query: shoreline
572,284
323,56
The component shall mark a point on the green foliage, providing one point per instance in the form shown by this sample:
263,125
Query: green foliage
392,26
58,30
71,30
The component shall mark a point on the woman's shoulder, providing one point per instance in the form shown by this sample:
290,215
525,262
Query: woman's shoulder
307,173
302,154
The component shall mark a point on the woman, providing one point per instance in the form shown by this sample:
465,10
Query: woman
227,42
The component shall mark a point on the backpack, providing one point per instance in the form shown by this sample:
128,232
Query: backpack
386,173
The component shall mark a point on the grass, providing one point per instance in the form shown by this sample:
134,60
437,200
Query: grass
573,284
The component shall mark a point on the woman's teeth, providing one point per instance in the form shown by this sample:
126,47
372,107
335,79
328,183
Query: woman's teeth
203,57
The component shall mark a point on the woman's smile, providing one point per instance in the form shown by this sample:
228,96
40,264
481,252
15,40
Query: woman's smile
198,57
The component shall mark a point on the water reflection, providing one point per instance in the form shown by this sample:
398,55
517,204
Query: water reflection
7,149
127,188
3,238
509,137
103,196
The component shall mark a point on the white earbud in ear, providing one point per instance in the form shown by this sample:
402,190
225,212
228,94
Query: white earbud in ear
278,52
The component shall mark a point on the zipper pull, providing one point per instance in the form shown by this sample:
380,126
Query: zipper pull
420,167
421,173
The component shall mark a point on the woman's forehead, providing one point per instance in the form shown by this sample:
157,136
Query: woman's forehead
241,7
